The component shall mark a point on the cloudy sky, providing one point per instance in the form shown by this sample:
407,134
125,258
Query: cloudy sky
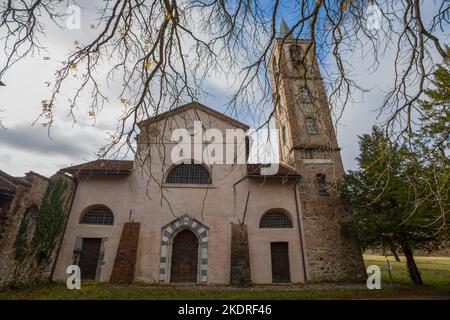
25,147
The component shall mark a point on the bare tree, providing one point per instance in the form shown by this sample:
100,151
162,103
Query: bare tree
163,52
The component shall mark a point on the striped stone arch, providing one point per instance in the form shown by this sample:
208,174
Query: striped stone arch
169,231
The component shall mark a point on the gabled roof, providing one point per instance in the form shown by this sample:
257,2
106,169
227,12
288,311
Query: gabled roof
102,166
284,171
32,173
194,105
6,187
9,183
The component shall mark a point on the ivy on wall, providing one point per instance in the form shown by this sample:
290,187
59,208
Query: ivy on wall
49,225
51,220
20,244
38,233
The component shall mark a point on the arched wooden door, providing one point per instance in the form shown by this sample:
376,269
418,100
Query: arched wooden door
184,257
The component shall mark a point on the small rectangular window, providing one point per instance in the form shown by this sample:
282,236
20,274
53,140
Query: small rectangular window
311,126
322,184
283,135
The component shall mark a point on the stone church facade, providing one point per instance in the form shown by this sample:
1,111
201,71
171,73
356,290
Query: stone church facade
156,221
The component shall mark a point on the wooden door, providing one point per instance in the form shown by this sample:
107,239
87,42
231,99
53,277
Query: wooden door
280,262
184,257
90,251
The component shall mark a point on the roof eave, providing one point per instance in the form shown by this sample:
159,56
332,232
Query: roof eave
99,172
275,176
186,106
13,180
8,193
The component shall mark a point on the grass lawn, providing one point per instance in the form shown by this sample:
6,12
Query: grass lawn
435,272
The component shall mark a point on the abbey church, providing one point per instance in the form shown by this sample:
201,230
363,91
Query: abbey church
156,221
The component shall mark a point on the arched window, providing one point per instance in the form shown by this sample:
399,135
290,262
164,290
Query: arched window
189,174
321,184
304,95
275,219
98,214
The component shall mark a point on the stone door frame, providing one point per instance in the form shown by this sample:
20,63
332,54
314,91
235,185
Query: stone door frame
169,232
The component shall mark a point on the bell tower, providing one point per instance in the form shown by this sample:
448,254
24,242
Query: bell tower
307,142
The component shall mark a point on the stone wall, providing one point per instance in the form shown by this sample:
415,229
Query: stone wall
330,256
240,257
14,270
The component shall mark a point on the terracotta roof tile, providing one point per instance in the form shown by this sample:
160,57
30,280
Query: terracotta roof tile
102,166
254,170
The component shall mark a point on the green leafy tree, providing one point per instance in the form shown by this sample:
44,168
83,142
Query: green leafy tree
431,149
435,114
386,199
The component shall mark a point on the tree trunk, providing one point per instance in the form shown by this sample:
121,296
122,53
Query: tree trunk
412,267
394,253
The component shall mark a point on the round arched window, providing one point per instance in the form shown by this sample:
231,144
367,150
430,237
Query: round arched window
98,214
189,174
275,219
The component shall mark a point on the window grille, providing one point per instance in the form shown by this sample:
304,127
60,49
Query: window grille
98,215
189,174
275,220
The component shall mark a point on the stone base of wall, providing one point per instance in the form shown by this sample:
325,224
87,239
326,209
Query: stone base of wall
330,256
125,261
240,256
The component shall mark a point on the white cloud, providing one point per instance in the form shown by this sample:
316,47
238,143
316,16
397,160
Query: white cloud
24,148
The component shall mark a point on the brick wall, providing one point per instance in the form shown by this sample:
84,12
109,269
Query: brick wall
125,261
240,258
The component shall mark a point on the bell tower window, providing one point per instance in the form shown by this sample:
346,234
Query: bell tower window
311,126
275,66
304,96
296,56
283,135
